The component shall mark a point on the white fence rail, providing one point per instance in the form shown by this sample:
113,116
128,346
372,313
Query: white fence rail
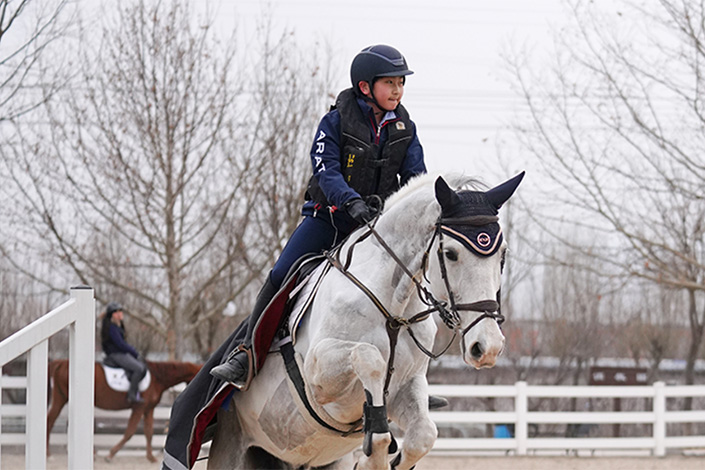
78,314
521,418
522,443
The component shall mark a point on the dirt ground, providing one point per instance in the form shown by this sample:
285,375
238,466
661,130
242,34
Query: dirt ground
134,462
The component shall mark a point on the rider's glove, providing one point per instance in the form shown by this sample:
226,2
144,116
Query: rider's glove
359,210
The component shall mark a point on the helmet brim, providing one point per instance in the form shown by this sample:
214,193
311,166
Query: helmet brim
396,74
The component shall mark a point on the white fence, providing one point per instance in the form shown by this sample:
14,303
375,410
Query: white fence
78,314
522,443
14,414
521,418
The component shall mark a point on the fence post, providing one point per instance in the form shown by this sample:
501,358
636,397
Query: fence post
36,422
81,380
521,427
659,419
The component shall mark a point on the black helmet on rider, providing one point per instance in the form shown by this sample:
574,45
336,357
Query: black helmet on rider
377,61
111,308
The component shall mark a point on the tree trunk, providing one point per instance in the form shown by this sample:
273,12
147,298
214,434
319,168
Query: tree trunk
696,338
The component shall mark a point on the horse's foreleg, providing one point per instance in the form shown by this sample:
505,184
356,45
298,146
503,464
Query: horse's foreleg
409,409
149,432
333,367
57,404
132,423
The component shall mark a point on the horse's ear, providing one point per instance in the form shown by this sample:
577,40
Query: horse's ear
500,194
445,196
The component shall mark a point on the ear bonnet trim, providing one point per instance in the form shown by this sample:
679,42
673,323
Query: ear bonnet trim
484,240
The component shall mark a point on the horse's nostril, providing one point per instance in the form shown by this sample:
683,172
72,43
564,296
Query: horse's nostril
476,351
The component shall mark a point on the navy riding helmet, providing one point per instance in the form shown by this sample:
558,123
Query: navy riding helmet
111,308
377,61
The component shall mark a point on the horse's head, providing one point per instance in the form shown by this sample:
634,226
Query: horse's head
466,270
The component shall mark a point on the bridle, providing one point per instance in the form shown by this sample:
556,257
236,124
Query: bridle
448,311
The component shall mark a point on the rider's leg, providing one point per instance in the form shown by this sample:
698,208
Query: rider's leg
312,236
237,366
135,370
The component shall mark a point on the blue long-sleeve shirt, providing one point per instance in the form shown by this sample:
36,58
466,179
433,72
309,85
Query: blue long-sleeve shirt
116,342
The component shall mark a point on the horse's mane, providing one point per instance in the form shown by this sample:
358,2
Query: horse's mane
419,184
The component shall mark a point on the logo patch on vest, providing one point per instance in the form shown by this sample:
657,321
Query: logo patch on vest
400,126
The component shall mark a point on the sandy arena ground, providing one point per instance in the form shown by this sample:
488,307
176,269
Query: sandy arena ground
134,462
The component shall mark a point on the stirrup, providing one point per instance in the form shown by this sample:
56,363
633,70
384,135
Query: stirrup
250,368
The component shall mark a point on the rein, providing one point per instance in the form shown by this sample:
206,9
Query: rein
450,317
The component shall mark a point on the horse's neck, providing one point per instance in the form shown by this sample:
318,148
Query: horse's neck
407,232
177,375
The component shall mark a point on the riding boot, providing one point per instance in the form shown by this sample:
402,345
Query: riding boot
435,402
133,394
236,369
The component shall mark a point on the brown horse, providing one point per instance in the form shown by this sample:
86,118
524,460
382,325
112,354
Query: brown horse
164,375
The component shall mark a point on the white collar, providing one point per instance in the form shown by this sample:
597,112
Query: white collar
389,116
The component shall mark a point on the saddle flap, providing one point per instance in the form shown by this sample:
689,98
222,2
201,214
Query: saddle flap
279,307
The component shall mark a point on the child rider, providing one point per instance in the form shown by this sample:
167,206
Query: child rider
366,145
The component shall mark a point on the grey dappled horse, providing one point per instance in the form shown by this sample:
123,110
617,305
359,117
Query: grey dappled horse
433,252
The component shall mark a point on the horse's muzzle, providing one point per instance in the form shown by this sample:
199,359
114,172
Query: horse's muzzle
484,353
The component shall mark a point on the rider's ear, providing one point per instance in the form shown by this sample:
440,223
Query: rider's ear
500,194
445,196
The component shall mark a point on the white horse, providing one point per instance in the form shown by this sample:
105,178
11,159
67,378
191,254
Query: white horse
363,350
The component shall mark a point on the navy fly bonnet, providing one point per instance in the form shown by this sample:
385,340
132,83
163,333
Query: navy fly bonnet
470,217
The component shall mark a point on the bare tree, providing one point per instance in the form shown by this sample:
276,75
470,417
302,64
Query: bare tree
33,33
616,124
29,30
147,183
572,311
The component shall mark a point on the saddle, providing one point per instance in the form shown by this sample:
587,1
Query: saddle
276,319
117,378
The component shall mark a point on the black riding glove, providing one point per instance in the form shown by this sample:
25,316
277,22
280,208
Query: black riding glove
359,210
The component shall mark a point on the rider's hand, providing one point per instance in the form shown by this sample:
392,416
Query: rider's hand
359,210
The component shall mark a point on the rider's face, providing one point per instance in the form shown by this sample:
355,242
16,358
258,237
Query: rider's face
117,316
388,92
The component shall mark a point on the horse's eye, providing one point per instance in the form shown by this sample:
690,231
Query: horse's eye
452,255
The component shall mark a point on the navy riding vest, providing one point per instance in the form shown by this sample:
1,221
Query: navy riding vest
367,168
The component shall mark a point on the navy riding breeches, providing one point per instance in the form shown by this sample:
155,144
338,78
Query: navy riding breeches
313,236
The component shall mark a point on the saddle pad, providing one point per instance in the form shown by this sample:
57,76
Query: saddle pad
118,381
306,292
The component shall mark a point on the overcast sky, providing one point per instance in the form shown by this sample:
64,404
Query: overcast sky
458,96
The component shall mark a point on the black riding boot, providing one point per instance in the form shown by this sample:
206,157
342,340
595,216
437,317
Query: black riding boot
237,367
133,394
435,402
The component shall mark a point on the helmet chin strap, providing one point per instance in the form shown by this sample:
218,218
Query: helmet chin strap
373,100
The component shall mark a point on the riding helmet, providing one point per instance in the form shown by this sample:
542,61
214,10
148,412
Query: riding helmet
377,61
111,308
